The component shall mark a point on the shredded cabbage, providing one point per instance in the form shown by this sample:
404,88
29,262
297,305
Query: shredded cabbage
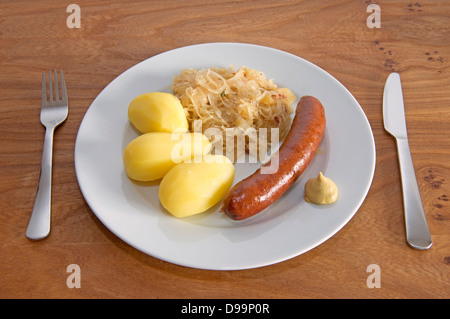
238,103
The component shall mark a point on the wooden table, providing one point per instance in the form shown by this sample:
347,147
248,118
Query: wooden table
413,39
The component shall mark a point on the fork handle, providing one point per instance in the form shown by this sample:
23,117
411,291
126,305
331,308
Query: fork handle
417,231
39,225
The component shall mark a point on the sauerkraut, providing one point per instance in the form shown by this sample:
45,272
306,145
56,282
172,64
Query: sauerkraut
242,105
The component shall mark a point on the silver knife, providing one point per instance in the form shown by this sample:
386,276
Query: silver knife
417,232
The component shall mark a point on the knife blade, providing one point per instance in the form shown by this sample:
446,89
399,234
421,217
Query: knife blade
417,231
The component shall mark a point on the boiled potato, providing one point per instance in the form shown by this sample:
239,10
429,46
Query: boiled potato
192,188
157,112
151,155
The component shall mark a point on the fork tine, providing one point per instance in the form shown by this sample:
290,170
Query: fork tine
44,88
63,87
50,89
56,86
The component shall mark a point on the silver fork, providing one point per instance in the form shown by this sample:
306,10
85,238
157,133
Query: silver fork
54,111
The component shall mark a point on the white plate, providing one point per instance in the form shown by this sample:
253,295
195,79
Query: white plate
288,228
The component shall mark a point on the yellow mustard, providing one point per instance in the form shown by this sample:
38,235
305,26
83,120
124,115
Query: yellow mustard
321,190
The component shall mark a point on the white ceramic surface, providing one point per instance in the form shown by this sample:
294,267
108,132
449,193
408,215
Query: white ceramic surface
210,240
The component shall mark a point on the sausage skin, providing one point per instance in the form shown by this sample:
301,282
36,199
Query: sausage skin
255,193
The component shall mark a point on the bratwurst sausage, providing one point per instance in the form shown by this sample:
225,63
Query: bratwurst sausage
255,193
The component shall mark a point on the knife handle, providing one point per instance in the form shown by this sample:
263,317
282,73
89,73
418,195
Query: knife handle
417,231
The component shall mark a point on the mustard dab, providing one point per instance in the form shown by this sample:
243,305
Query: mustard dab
321,190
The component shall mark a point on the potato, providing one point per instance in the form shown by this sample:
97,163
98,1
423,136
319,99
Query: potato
192,188
151,155
157,112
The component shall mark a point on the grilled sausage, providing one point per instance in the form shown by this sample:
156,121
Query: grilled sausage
255,193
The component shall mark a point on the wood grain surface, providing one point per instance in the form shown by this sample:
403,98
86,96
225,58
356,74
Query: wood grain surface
115,35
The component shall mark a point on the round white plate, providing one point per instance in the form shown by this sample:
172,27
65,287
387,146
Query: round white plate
286,229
